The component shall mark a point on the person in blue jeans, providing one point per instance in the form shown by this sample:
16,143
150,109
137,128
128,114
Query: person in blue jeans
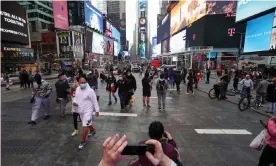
6,80
271,96
171,78
123,86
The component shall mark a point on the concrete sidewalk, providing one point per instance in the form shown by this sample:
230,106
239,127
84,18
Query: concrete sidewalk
202,86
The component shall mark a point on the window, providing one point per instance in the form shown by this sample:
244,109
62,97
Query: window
33,26
43,25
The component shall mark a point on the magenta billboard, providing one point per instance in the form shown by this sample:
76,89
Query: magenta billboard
60,14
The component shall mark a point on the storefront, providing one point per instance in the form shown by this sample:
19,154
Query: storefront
14,59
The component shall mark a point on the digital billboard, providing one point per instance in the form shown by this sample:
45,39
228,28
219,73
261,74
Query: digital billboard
163,29
14,27
165,46
273,35
248,8
154,45
108,28
258,33
195,33
108,46
117,48
77,44
88,43
97,43
60,14
142,32
116,34
158,49
175,24
178,42
221,7
93,17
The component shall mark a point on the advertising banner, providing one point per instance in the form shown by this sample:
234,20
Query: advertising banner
195,33
154,45
108,46
273,35
77,44
93,17
65,50
117,48
221,7
163,29
116,34
178,42
165,46
142,32
60,14
175,24
158,49
248,8
108,28
258,30
14,27
98,43
88,43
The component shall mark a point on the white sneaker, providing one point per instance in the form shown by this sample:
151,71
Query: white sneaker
75,133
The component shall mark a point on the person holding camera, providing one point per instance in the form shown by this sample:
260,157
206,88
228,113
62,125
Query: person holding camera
113,147
158,133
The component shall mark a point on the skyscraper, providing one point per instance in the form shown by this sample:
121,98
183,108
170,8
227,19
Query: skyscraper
75,12
40,14
101,5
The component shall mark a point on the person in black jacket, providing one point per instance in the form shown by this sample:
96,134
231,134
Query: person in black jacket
110,87
271,96
92,80
177,79
132,85
122,86
63,90
190,79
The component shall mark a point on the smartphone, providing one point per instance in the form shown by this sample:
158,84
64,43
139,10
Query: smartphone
138,149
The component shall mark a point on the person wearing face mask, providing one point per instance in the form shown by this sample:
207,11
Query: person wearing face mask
63,90
86,103
247,85
110,87
40,96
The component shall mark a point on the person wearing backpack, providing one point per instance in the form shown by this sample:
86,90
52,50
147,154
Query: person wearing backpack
161,87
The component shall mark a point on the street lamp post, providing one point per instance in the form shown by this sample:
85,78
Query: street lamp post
240,48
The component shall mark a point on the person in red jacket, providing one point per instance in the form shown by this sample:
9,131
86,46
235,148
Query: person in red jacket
268,155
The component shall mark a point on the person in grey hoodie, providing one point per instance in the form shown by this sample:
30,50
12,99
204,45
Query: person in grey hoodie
161,88
261,90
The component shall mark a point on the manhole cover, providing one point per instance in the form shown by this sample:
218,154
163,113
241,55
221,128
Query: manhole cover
20,146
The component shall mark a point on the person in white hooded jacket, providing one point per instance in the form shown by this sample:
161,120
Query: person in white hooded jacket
86,103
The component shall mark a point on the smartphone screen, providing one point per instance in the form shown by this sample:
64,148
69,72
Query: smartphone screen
137,149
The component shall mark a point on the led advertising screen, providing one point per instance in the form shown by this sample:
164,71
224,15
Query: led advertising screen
258,33
109,46
158,49
273,35
175,24
93,17
108,28
163,29
248,8
77,44
97,43
60,14
88,43
116,34
165,46
195,33
14,27
177,42
191,10
154,45
221,7
117,48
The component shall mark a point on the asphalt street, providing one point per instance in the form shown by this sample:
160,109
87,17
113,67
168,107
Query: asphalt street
50,142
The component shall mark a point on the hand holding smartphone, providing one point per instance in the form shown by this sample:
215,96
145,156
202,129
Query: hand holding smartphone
138,149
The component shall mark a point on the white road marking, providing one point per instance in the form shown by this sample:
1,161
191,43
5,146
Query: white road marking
154,97
223,131
117,114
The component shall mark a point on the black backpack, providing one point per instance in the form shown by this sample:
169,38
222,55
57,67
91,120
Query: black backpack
161,86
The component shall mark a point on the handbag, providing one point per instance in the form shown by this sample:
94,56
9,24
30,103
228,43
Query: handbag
33,97
259,141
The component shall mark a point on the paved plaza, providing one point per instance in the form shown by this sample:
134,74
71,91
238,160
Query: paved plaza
49,143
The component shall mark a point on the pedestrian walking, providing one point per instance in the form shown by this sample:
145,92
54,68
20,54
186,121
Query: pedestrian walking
122,86
178,79
40,97
161,88
208,73
74,112
132,86
110,87
171,78
190,79
247,85
86,103
21,79
271,96
184,74
6,81
268,155
261,91
92,80
63,90
147,86
31,79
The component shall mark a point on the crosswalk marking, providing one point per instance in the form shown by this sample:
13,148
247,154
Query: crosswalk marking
154,97
223,131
